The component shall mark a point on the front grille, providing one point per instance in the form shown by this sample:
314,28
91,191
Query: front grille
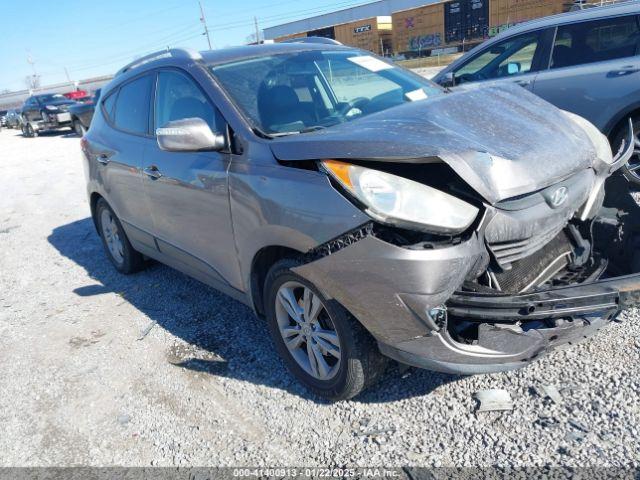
536,269
506,253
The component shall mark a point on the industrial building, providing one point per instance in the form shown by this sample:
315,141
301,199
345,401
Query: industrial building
418,27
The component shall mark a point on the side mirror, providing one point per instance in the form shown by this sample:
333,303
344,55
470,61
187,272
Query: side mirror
189,135
449,80
513,68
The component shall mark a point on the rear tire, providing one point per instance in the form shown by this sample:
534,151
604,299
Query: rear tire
114,239
335,339
631,170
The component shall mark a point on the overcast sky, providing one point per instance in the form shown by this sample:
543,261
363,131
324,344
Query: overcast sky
96,37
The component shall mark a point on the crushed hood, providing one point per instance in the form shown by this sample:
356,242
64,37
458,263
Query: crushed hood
503,141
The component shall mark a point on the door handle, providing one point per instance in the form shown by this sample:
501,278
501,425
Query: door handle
103,158
523,83
152,172
626,70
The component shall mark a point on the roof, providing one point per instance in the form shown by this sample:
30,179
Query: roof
591,13
361,12
212,57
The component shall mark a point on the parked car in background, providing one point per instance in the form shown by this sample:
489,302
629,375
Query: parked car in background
13,118
3,118
49,111
82,113
362,210
77,95
586,62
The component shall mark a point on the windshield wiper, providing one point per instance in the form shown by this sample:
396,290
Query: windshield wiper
282,134
298,132
312,129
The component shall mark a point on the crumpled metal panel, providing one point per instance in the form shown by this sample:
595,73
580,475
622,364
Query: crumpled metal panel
503,141
371,277
514,234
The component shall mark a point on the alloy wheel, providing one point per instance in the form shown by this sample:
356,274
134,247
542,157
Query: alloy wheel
633,167
307,330
112,236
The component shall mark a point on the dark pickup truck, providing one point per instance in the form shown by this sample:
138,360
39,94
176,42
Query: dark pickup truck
82,113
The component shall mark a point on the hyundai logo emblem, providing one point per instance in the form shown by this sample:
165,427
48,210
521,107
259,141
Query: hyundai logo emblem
559,197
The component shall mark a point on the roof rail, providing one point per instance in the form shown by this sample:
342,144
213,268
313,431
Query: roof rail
324,40
169,52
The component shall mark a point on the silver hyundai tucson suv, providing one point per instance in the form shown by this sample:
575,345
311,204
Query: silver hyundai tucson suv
364,212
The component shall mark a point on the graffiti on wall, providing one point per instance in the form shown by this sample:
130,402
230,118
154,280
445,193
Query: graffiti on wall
362,29
425,42
493,31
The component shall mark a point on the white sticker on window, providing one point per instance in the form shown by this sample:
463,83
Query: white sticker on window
370,63
416,95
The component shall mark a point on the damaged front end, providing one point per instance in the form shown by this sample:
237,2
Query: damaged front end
533,272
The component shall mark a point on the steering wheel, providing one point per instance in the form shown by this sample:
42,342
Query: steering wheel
355,104
468,77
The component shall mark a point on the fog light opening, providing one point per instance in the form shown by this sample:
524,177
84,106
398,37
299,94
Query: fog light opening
438,315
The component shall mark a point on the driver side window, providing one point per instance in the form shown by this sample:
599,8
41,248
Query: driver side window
511,57
178,97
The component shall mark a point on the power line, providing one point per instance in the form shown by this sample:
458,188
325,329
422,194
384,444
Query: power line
290,15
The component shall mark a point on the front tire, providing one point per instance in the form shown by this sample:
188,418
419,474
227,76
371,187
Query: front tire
320,342
114,239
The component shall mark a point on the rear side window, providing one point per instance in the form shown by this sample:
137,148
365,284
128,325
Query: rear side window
132,106
595,41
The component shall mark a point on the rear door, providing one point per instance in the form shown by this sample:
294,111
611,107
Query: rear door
118,151
594,68
514,59
188,191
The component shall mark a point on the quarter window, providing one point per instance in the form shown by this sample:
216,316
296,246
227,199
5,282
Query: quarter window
597,41
132,106
108,105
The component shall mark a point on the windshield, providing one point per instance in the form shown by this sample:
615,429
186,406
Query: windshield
51,97
304,91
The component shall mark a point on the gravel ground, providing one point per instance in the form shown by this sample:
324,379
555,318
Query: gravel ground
83,385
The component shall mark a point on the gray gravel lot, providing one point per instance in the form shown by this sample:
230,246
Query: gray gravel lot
83,385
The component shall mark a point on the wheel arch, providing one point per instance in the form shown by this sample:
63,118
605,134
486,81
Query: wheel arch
93,202
262,262
617,122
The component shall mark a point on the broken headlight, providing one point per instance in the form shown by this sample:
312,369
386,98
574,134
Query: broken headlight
402,202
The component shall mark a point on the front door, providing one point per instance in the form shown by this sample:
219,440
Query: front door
594,69
515,59
188,191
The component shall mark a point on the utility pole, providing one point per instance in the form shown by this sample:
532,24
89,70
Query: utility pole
32,63
66,72
255,21
34,81
204,22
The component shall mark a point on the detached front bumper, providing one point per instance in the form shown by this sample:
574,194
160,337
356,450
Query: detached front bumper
513,330
400,296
